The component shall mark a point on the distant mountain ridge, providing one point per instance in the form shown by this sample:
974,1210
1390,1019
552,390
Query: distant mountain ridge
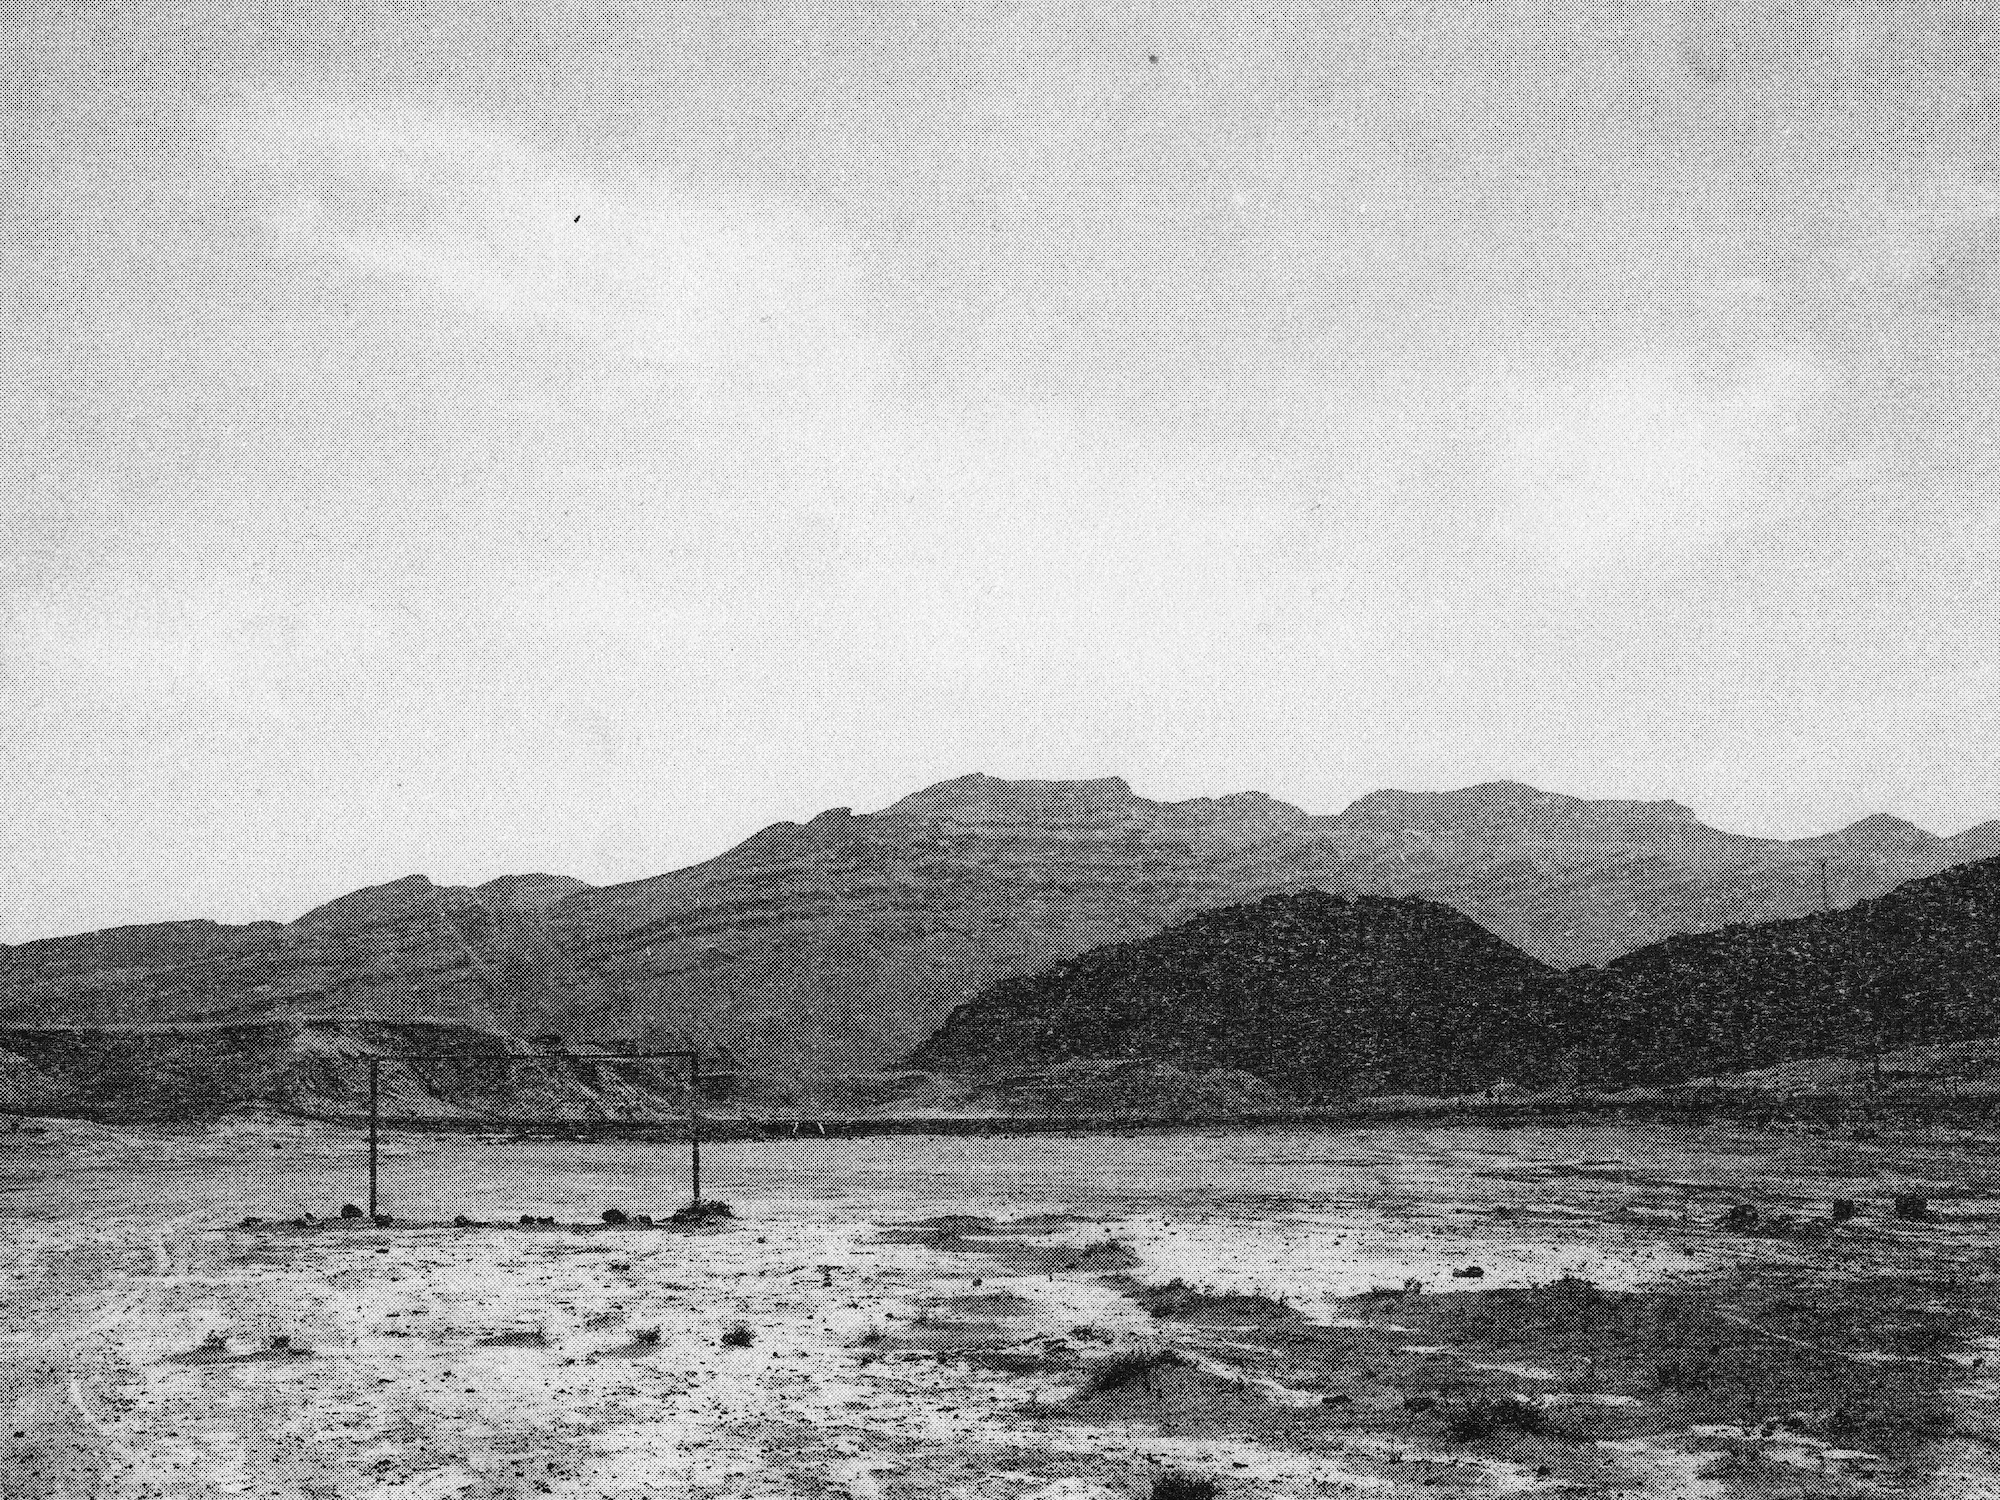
844,941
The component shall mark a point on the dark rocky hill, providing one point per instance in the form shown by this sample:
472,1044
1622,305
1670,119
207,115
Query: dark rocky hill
1916,967
1326,996
1329,996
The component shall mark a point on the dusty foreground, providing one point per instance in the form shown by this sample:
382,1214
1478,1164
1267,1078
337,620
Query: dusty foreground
1037,1317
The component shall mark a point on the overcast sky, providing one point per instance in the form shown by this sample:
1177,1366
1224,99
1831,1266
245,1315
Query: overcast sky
469,440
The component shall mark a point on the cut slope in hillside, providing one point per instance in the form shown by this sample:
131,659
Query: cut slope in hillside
406,951
1327,996
320,1067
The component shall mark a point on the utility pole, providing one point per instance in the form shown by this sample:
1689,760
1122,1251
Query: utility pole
694,1122
374,1128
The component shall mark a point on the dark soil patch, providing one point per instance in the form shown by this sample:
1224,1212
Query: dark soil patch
949,1336
1164,1389
955,1224
1038,1260
991,1304
1785,1353
278,1351
527,1338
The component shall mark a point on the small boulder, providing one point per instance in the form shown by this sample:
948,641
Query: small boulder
616,1216
383,1221
351,1211
1470,1273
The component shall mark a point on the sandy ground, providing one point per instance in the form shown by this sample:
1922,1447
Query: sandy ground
433,1361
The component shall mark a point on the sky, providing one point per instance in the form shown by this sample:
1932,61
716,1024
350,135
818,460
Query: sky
471,439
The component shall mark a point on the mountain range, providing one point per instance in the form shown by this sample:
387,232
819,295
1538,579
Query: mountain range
844,942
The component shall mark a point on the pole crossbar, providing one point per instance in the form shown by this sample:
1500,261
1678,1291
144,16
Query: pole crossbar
376,1060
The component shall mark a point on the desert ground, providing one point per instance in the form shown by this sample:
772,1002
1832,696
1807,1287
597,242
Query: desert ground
1387,1311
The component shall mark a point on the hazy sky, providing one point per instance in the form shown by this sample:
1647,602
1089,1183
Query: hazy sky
478,439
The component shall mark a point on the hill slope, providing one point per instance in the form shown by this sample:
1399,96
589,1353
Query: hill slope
319,1067
406,951
1324,995
1916,967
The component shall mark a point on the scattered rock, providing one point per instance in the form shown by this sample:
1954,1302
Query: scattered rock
1469,1273
350,1211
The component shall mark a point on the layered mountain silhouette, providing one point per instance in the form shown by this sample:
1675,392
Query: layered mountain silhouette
842,943
1325,996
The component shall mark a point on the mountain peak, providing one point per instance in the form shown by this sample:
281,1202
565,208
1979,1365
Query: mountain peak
979,794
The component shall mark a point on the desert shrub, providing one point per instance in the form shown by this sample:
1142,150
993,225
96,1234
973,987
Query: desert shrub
1485,1417
739,1336
647,1337
1677,1375
1176,1484
1130,1367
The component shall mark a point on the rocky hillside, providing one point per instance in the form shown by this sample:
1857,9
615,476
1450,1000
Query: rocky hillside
840,943
407,951
1328,997
1917,967
319,1067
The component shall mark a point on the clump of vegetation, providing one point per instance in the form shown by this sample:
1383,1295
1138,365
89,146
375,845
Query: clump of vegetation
646,1338
1177,1299
1177,1484
1482,1417
1131,1367
1678,1375
703,1211
739,1336
215,1341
